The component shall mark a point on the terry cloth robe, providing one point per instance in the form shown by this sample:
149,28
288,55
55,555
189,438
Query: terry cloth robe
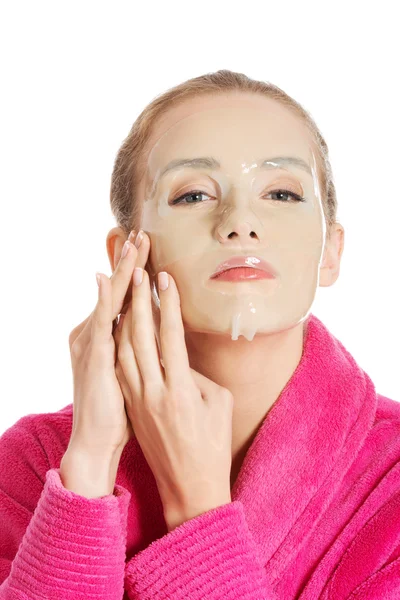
315,511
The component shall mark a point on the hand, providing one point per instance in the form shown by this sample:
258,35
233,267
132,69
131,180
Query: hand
100,424
181,419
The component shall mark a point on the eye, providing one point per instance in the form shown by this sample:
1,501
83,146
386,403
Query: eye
193,193
190,194
296,197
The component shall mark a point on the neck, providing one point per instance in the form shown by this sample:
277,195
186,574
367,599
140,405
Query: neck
254,372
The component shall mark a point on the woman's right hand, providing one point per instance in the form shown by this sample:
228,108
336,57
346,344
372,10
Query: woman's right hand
101,427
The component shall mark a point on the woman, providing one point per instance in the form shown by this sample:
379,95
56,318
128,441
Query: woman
222,438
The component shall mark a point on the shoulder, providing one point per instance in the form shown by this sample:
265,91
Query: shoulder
28,449
57,421
38,434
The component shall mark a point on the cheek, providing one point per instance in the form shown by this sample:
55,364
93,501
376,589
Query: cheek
297,254
300,236
178,243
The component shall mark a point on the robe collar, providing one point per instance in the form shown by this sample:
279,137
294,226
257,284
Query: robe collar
305,445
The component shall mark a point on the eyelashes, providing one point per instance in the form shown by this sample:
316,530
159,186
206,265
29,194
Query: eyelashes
295,197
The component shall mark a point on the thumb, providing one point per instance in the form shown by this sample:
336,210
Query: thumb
207,387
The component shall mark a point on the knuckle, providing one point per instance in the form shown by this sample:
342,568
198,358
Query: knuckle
76,349
71,337
123,353
74,334
170,325
225,393
138,331
152,396
182,394
228,398
149,404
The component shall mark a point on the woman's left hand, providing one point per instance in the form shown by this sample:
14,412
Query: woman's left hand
181,419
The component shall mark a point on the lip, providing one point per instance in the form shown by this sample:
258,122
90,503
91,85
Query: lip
255,263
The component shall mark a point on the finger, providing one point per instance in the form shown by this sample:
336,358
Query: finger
141,261
115,324
122,275
120,281
128,376
118,330
101,322
143,338
172,336
126,392
119,372
127,358
143,249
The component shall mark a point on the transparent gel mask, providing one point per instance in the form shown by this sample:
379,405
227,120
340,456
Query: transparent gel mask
229,184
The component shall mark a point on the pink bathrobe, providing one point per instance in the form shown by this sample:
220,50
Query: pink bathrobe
315,511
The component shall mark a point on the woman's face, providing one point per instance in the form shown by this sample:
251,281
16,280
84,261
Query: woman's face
234,212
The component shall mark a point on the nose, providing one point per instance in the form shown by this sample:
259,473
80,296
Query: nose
238,229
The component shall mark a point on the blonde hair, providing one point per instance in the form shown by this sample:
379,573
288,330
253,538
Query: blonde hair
128,166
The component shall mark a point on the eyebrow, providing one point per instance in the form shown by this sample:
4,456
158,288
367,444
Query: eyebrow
209,162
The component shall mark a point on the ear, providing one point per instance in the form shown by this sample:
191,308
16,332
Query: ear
115,240
330,266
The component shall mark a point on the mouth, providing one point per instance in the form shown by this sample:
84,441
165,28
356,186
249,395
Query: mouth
236,274
243,268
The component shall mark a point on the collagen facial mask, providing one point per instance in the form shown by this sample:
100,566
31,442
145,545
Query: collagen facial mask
233,209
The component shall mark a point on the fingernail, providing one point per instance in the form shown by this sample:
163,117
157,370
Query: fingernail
131,236
139,238
125,249
163,280
137,276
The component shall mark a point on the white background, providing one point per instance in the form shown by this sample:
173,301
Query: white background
75,76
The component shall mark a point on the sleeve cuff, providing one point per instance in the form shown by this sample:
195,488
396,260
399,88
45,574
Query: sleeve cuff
74,547
210,556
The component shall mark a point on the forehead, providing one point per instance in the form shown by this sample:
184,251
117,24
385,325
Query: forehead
243,118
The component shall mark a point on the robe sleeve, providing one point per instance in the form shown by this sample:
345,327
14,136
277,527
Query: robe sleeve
212,556
55,543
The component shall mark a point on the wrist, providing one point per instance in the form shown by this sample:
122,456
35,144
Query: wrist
176,514
87,475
